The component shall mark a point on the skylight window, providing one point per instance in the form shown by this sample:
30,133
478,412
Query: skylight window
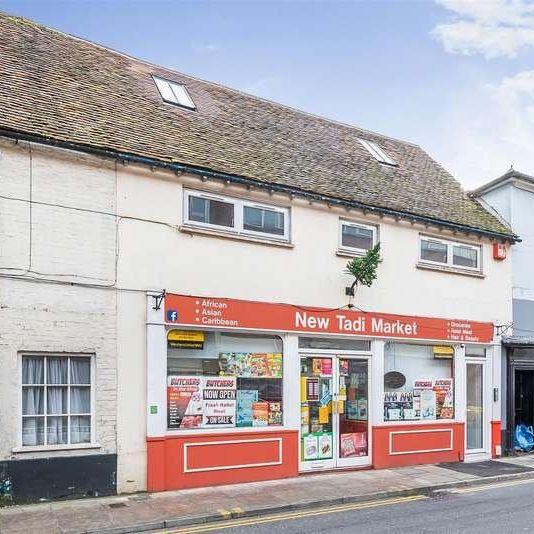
379,154
174,93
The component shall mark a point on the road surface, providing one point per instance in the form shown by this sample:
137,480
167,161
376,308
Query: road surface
497,508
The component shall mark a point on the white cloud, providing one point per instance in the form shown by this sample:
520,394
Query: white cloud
492,28
490,128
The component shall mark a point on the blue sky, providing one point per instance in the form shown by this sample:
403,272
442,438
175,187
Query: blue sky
450,75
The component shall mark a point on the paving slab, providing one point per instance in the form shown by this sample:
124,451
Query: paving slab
144,512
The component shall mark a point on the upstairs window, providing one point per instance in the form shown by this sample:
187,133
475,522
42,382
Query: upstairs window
235,215
378,153
356,237
174,93
449,253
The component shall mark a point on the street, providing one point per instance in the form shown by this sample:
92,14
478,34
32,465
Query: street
501,507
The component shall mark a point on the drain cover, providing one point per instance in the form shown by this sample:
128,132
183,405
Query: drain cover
489,468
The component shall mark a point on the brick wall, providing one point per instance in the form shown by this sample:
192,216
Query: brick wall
67,245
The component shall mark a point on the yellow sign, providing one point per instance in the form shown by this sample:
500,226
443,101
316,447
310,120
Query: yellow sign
185,339
443,351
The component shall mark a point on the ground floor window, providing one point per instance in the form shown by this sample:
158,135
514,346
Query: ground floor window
418,382
56,400
223,380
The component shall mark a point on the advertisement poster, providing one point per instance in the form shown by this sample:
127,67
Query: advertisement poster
260,414
245,399
251,364
310,447
351,410
275,413
312,389
428,404
353,444
325,446
184,401
219,394
443,387
362,409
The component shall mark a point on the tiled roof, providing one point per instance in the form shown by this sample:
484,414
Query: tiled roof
59,87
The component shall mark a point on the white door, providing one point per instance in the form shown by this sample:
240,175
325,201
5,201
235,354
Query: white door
334,392
477,418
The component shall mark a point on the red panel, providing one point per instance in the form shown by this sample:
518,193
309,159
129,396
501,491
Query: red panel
495,437
417,438
166,470
156,464
224,454
424,440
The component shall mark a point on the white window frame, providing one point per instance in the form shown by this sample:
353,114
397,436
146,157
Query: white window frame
183,100
450,249
239,206
92,389
378,152
346,248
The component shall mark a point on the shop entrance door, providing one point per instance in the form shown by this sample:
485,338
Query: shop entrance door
334,392
477,421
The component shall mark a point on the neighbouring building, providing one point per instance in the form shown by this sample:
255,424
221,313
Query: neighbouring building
172,288
511,196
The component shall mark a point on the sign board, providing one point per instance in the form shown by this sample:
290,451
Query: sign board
443,352
185,339
243,314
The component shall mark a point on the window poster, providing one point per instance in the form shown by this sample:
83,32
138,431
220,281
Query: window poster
260,414
353,444
219,396
310,447
184,401
443,387
312,389
428,404
317,446
245,399
251,364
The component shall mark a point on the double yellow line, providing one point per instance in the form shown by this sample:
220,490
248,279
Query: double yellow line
487,487
284,516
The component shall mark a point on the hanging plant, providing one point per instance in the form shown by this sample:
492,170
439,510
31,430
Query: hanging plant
363,269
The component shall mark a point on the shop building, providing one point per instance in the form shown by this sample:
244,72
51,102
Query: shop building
511,196
208,240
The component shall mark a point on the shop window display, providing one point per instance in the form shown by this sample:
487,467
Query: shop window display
418,382
223,380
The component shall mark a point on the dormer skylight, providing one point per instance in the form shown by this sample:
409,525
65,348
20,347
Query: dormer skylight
174,93
379,154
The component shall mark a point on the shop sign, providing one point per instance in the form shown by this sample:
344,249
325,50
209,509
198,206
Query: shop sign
185,339
443,352
231,313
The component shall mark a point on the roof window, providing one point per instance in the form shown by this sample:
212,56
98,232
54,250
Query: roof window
379,154
174,93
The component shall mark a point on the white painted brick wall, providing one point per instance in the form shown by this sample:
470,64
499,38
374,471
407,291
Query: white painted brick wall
67,245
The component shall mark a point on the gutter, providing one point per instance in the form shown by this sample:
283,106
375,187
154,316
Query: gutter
249,182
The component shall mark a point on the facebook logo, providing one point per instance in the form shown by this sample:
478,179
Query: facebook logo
172,316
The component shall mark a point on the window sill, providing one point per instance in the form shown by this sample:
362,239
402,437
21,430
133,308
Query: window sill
349,254
451,270
193,230
48,448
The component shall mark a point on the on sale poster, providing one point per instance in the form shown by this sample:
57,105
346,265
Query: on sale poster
219,394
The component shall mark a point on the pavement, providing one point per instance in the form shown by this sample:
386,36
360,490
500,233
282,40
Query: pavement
145,512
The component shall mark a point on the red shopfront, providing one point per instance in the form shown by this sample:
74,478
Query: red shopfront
243,391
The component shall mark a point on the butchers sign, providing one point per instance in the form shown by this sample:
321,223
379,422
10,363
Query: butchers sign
230,313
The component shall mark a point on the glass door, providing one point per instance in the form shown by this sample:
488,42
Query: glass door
316,417
334,411
475,407
352,412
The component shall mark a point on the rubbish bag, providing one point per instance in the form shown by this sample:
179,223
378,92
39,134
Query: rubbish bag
524,437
